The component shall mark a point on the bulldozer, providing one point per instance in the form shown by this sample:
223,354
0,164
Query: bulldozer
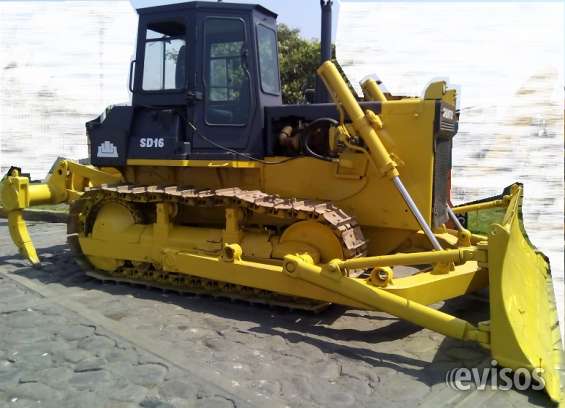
207,183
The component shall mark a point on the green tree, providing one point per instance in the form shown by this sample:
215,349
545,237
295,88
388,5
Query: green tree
299,59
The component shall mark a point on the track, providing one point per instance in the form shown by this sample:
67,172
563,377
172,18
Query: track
83,212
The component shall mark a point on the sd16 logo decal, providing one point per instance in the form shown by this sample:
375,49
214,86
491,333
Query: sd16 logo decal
156,142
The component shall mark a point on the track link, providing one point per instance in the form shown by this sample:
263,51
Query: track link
81,213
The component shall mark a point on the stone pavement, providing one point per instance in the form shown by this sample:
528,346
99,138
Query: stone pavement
67,340
52,357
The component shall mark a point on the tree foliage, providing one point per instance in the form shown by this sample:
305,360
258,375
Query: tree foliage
299,59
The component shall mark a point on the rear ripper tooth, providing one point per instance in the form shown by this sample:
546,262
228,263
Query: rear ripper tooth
344,226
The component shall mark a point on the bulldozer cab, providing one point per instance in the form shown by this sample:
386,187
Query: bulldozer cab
202,75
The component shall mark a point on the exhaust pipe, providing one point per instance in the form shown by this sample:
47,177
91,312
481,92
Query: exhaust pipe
322,95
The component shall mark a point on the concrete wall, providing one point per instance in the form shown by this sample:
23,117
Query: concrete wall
61,64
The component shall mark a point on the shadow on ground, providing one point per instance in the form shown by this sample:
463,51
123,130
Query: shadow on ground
316,329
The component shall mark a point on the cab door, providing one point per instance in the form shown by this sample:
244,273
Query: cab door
163,65
223,105
162,77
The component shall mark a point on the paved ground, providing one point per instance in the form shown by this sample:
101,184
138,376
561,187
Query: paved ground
68,341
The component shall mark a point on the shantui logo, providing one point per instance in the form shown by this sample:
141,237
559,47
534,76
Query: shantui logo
447,113
107,149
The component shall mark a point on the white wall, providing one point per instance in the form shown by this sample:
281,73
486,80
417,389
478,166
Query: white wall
508,60
61,64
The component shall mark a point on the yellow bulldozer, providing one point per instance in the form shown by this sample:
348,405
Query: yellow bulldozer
206,182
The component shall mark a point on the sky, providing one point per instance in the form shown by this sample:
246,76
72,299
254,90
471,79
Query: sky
301,14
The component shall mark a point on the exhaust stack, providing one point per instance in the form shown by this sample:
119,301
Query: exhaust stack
322,95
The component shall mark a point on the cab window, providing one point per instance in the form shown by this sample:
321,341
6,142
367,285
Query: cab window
165,57
227,82
268,61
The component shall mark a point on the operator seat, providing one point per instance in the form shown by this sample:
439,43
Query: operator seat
241,110
180,71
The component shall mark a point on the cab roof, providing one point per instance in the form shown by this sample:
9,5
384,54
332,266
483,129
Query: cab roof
206,5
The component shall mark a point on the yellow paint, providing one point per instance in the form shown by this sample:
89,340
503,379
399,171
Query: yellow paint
66,181
20,236
458,256
435,90
317,235
372,91
376,298
428,287
523,323
482,206
144,243
196,163
360,120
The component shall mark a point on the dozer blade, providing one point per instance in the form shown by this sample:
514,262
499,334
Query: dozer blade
524,325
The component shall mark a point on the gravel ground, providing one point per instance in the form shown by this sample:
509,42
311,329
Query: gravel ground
68,340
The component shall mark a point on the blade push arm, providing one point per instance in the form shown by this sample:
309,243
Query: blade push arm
66,182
